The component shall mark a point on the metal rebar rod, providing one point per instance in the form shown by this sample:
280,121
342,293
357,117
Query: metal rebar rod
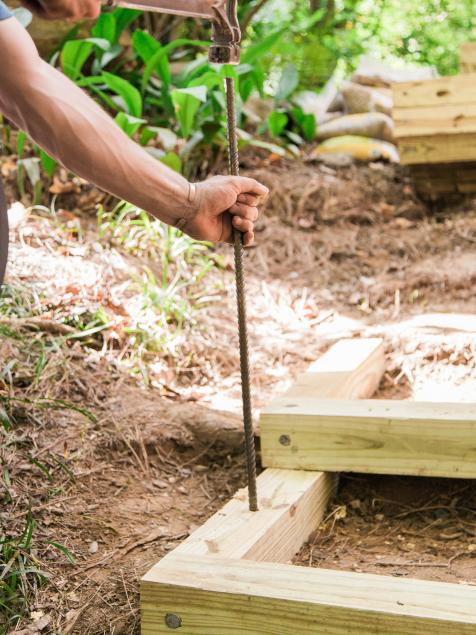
241,302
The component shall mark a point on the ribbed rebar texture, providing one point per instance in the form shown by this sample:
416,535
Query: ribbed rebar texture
3,235
241,302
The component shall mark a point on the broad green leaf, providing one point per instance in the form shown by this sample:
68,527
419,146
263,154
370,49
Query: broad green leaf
105,28
102,43
242,69
271,147
288,82
210,129
254,52
210,80
157,153
129,93
172,160
225,70
123,18
259,79
193,69
144,45
187,102
194,140
146,135
167,137
277,122
129,124
73,57
32,169
308,127
21,138
111,54
294,137
200,92
48,164
91,80
305,122
153,63
247,86
91,83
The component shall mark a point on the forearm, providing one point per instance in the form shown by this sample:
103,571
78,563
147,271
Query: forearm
71,127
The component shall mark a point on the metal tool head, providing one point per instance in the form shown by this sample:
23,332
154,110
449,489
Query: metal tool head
226,35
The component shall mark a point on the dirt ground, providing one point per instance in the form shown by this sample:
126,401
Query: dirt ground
400,526
352,252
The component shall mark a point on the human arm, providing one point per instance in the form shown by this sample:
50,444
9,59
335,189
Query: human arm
73,129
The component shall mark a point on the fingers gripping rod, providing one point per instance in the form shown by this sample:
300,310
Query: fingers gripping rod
224,50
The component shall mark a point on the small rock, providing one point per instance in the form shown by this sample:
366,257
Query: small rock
93,547
43,622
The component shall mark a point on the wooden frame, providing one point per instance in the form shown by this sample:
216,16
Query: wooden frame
467,57
435,120
301,430
231,576
371,436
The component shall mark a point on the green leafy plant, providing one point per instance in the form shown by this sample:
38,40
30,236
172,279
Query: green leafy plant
20,572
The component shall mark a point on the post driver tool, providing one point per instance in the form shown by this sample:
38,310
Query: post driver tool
225,49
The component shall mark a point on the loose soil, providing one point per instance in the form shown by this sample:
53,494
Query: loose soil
340,253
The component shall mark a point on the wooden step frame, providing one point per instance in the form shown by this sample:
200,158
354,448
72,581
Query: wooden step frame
303,430
232,577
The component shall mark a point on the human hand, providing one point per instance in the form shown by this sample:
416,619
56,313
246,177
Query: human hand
223,203
64,9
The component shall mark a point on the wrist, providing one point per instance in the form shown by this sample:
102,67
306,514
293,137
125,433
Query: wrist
190,209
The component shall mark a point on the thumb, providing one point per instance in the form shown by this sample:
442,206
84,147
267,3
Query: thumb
246,185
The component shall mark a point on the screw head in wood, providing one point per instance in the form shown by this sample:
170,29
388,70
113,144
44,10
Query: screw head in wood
173,621
285,439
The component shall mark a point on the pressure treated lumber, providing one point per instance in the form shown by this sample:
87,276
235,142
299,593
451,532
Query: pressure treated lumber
373,436
467,56
232,597
291,505
445,178
442,148
435,120
350,369
456,90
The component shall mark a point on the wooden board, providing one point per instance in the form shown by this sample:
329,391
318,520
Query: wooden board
442,148
373,436
229,577
437,179
456,90
467,56
291,505
351,369
232,597
436,120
